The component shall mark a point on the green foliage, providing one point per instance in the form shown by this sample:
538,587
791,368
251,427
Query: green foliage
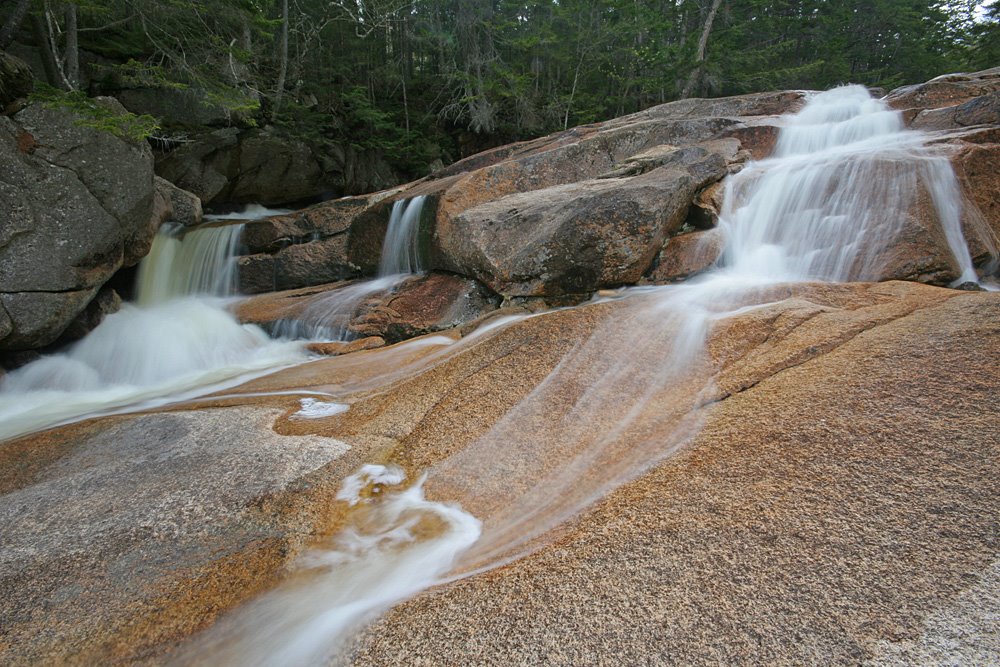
91,113
419,80
140,75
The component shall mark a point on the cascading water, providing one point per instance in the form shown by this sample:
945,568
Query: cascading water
178,341
401,247
183,263
844,174
381,558
328,318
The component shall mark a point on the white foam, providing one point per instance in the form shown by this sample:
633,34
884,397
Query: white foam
315,409
369,476
250,212
137,355
379,559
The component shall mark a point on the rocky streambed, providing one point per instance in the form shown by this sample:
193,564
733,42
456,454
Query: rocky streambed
812,482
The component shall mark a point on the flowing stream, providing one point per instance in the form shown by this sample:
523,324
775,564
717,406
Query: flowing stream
328,318
824,207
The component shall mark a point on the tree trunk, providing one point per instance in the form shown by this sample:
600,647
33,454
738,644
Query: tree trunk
283,63
699,58
48,56
14,21
72,48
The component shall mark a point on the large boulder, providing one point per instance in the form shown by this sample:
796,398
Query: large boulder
77,204
576,238
16,79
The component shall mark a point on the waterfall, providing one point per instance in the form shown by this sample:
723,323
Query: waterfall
844,176
184,262
401,247
178,338
327,318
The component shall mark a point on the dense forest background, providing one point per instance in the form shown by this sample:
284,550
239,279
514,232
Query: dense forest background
424,81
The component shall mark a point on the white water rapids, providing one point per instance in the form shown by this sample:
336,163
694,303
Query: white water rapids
843,176
177,342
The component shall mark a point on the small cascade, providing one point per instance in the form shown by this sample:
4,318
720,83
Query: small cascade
328,317
401,248
834,196
184,262
177,339
381,558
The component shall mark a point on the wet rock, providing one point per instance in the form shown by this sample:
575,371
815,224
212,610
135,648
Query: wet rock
833,403
428,304
766,522
418,305
336,348
976,159
685,255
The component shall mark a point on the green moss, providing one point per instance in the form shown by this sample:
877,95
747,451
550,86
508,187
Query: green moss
91,113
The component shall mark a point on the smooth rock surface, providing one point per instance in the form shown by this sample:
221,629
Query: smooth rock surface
838,497
117,533
573,239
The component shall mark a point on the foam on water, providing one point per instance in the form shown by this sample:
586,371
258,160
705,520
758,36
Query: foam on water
178,338
315,409
390,550
135,355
